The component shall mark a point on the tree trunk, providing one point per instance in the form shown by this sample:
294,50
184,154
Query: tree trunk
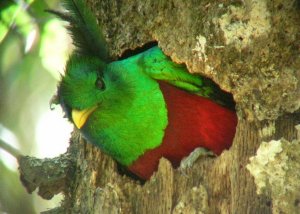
251,49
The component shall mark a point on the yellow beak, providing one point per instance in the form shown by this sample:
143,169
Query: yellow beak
80,116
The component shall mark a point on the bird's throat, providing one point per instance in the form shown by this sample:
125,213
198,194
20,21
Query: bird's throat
80,116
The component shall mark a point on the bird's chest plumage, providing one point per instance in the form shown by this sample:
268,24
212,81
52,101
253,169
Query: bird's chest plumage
193,122
132,120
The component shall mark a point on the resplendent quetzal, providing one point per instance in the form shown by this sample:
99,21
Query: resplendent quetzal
141,108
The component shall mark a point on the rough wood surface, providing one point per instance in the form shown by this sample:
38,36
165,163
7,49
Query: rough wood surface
251,48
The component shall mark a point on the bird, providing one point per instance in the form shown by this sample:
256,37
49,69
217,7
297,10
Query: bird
140,108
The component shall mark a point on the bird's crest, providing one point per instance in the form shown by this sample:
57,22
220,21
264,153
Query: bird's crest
86,34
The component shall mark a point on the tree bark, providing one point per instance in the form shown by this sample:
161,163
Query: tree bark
251,49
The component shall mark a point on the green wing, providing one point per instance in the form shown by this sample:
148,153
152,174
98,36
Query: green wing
160,67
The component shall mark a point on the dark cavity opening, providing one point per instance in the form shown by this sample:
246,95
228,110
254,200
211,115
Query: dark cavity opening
128,53
223,98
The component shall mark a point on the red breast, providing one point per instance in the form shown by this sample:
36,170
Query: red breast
193,121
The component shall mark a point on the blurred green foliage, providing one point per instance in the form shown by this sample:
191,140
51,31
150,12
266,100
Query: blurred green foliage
33,49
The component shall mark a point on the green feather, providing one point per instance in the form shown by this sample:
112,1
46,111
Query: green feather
160,67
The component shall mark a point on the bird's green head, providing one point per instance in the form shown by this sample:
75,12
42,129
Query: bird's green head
81,88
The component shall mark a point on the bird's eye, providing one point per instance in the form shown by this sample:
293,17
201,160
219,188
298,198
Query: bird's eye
100,83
